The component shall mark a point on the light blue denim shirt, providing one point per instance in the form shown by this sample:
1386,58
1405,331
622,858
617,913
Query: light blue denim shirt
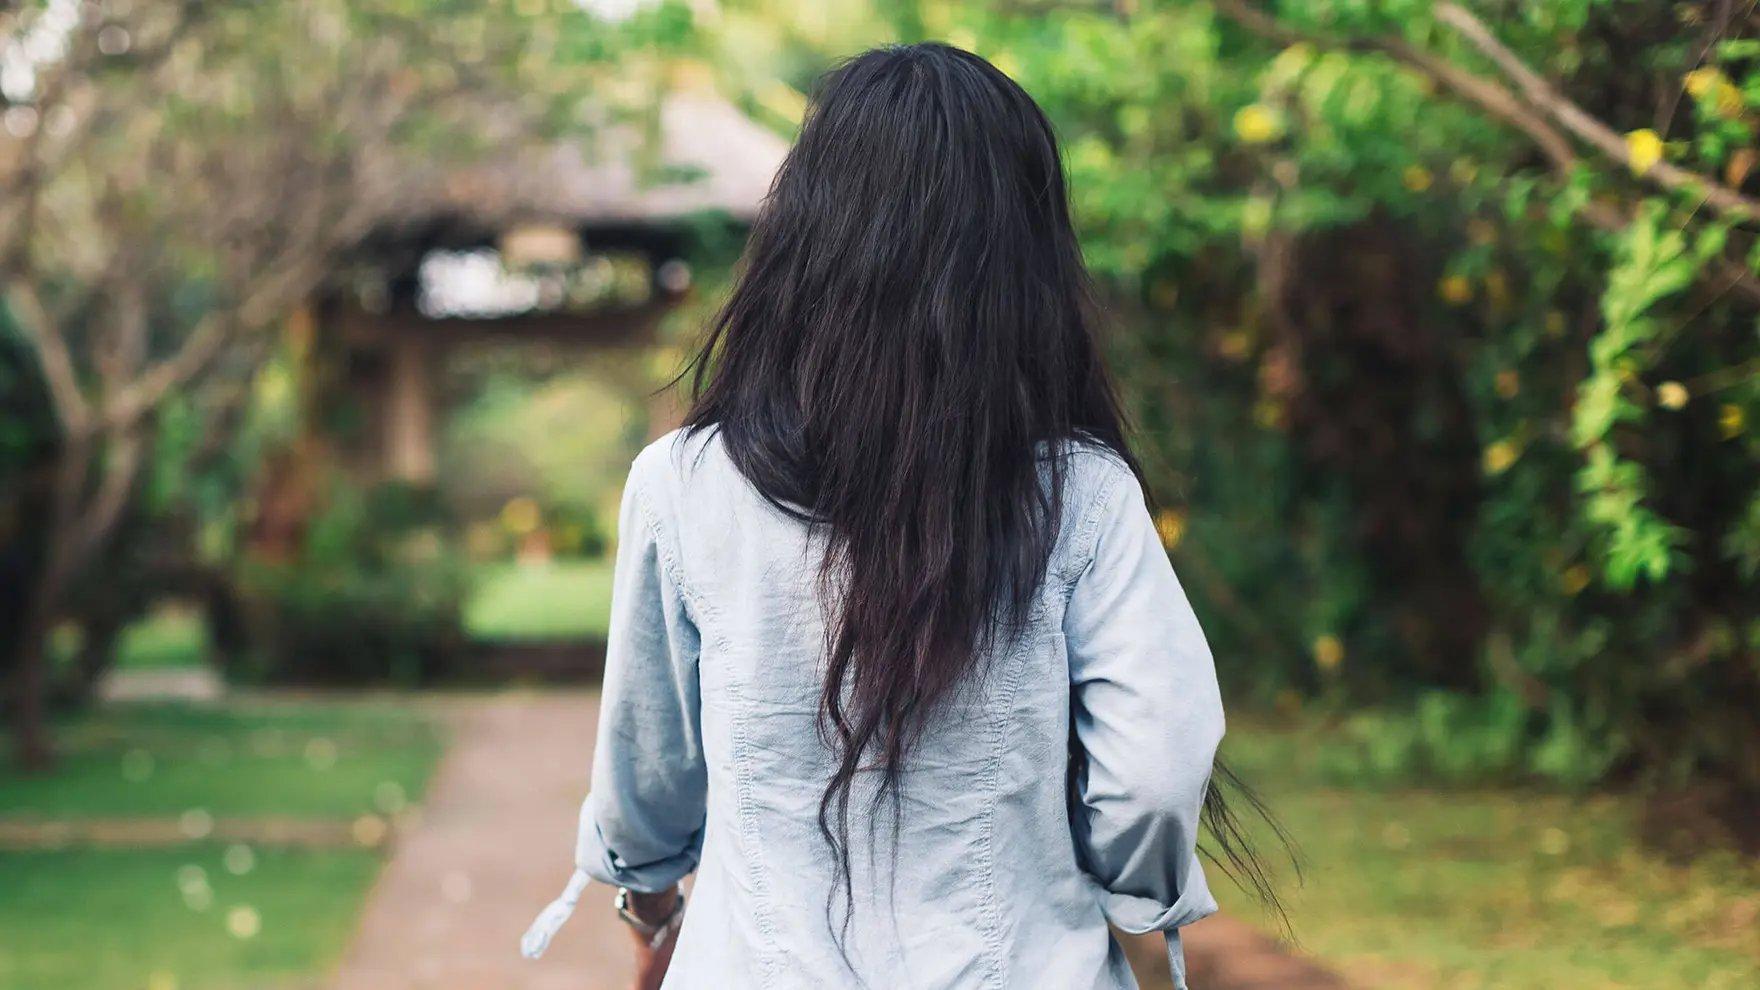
1058,792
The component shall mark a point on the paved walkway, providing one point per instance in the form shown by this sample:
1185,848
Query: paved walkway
494,846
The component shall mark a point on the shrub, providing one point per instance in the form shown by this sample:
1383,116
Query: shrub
1444,425
376,596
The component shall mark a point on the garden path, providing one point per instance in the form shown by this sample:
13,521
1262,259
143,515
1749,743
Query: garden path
492,847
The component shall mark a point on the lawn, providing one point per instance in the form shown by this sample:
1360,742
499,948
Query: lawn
176,918
1408,887
555,600
1507,888
301,759
168,636
202,914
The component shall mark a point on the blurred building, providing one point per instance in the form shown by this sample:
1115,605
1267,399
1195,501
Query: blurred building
576,245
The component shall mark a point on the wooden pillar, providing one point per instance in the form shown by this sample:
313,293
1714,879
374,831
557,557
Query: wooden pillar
409,412
286,493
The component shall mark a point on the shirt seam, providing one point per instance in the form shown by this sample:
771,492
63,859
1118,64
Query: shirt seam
1088,532
744,807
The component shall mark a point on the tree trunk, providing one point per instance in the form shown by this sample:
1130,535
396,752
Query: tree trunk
32,749
97,653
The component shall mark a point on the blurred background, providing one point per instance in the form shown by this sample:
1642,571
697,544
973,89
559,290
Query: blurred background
327,330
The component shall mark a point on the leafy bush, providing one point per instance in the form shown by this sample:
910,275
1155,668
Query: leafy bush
376,596
1449,412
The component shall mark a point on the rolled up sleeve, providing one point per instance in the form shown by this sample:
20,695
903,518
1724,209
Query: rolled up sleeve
1147,718
641,825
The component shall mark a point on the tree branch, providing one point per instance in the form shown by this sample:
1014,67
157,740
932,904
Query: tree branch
1579,122
93,526
43,332
1488,95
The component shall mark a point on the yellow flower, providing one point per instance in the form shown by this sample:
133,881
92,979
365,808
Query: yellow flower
1499,456
1729,100
1256,123
1328,652
1702,81
1234,345
1731,419
1454,290
1509,383
1170,525
1710,85
1416,178
1575,579
1268,413
1672,395
520,515
1643,150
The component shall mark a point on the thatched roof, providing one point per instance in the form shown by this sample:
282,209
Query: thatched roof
709,157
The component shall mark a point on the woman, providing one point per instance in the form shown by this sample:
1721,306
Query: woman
898,667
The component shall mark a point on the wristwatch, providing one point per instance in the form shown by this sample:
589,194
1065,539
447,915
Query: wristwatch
657,931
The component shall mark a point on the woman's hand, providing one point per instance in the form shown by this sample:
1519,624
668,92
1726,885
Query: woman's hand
651,962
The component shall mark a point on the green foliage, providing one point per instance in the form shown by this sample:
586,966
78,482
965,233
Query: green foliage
212,168
563,438
376,595
1446,427
1461,738
1654,263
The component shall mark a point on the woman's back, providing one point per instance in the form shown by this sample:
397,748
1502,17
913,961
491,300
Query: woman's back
897,660
973,874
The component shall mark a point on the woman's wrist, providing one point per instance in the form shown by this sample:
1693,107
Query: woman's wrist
653,909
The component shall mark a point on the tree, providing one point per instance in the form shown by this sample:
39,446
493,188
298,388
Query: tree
1437,320
179,176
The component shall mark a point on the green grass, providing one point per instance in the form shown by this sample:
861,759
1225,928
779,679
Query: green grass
1506,888
307,758
511,602
103,918
119,919
168,637
559,600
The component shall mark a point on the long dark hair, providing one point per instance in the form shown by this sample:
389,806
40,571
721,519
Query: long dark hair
911,331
